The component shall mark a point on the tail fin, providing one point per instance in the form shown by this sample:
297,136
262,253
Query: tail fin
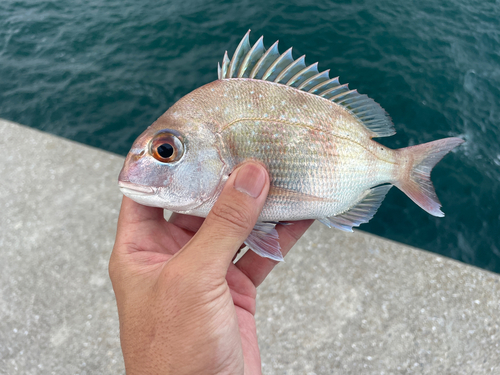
415,177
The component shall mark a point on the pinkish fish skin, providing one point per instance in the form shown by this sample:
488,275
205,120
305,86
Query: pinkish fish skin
322,161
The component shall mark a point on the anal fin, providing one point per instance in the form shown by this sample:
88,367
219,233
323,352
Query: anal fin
361,213
263,240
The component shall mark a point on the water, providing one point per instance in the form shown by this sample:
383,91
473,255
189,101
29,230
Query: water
99,72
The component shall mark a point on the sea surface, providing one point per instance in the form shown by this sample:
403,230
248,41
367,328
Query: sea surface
99,72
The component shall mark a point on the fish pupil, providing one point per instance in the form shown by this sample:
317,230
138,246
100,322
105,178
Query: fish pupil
165,150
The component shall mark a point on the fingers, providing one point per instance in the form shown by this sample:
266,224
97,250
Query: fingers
133,213
187,222
256,267
132,217
230,221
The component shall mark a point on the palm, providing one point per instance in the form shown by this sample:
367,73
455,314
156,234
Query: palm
158,240
151,242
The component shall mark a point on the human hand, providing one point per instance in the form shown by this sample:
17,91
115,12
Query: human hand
184,307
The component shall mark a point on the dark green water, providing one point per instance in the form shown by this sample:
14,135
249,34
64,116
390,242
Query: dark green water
100,72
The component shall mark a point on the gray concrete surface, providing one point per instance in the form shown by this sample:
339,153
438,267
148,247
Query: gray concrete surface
340,304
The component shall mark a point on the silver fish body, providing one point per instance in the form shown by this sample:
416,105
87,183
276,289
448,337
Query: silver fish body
313,135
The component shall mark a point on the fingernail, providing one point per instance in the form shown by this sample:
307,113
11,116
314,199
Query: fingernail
250,180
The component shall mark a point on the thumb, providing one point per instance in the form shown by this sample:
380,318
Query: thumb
231,219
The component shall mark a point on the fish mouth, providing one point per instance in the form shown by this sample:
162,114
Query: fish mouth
128,188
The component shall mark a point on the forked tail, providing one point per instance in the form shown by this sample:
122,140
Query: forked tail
415,175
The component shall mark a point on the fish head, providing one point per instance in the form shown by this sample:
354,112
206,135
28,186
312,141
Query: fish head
174,164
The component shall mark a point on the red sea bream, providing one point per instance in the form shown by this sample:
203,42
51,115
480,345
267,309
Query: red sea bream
312,133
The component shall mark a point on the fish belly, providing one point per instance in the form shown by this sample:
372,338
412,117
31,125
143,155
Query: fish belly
314,174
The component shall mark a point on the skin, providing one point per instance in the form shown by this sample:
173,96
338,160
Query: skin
184,307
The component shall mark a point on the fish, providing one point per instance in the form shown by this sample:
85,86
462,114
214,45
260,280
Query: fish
312,133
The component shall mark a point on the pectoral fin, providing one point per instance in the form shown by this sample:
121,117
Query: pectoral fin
263,240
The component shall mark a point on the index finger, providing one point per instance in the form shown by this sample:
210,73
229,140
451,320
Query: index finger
133,213
188,222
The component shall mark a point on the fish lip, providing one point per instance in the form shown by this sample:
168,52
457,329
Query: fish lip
129,188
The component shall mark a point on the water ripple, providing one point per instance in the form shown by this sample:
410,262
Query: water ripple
100,72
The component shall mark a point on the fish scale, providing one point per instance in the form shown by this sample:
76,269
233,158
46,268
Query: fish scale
316,146
283,173
313,134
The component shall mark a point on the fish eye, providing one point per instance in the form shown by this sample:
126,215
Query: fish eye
166,147
165,150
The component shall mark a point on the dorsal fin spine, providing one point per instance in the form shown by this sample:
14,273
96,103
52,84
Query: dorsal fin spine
355,100
237,54
259,64
333,90
225,65
304,84
307,69
257,48
325,83
361,113
365,108
283,57
369,122
290,68
336,91
269,65
342,95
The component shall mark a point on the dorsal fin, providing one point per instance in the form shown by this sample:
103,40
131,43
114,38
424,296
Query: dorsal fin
256,62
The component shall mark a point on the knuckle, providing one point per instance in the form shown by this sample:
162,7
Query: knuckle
235,215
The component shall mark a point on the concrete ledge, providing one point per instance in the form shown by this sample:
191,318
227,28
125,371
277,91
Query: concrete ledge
341,304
